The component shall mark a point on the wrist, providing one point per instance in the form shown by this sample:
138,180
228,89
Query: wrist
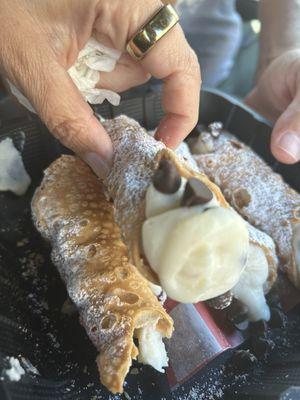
280,29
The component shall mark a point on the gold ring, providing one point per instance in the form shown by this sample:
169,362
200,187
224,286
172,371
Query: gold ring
152,31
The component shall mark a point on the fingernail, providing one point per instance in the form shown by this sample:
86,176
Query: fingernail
289,142
98,165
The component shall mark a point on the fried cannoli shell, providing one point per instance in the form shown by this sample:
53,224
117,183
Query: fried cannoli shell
257,193
113,298
136,159
266,243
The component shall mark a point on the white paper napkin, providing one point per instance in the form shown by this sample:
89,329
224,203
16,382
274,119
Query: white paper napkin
93,59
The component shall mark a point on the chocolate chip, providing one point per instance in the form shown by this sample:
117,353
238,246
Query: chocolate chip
258,328
243,360
237,312
166,178
196,193
262,347
278,318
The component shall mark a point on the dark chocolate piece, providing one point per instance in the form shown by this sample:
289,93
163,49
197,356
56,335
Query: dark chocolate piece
237,312
278,318
262,347
166,178
243,361
196,193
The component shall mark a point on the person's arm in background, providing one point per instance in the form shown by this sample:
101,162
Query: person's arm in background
277,92
40,41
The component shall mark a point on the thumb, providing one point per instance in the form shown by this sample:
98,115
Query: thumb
285,141
66,114
258,101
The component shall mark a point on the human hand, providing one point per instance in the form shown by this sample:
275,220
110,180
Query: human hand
277,97
40,41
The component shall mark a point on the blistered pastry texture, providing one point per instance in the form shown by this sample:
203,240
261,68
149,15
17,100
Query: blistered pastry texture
136,156
266,243
113,299
257,193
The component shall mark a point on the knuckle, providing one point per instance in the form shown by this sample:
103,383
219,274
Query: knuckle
192,65
71,133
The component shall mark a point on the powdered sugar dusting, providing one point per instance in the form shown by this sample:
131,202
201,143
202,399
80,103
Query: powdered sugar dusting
133,168
272,205
113,299
266,243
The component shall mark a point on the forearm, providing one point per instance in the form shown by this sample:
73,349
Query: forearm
280,30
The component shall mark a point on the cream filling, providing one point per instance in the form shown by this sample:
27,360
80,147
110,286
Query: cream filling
249,290
157,203
197,255
152,349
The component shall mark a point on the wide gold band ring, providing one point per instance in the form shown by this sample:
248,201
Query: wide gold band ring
152,31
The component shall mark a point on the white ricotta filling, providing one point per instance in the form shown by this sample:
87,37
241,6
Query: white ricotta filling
249,290
197,255
152,349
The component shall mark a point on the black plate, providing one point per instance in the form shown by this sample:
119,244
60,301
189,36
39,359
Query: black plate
31,292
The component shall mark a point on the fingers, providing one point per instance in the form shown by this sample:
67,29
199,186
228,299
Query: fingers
128,73
69,117
173,60
258,103
285,141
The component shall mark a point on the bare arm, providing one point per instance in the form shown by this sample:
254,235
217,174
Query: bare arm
277,91
280,29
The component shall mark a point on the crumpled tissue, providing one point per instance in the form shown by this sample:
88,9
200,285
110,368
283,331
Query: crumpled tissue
93,59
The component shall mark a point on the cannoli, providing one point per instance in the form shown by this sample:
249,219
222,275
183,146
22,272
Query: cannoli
173,218
256,192
114,300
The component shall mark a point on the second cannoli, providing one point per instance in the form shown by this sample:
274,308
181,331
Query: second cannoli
255,191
